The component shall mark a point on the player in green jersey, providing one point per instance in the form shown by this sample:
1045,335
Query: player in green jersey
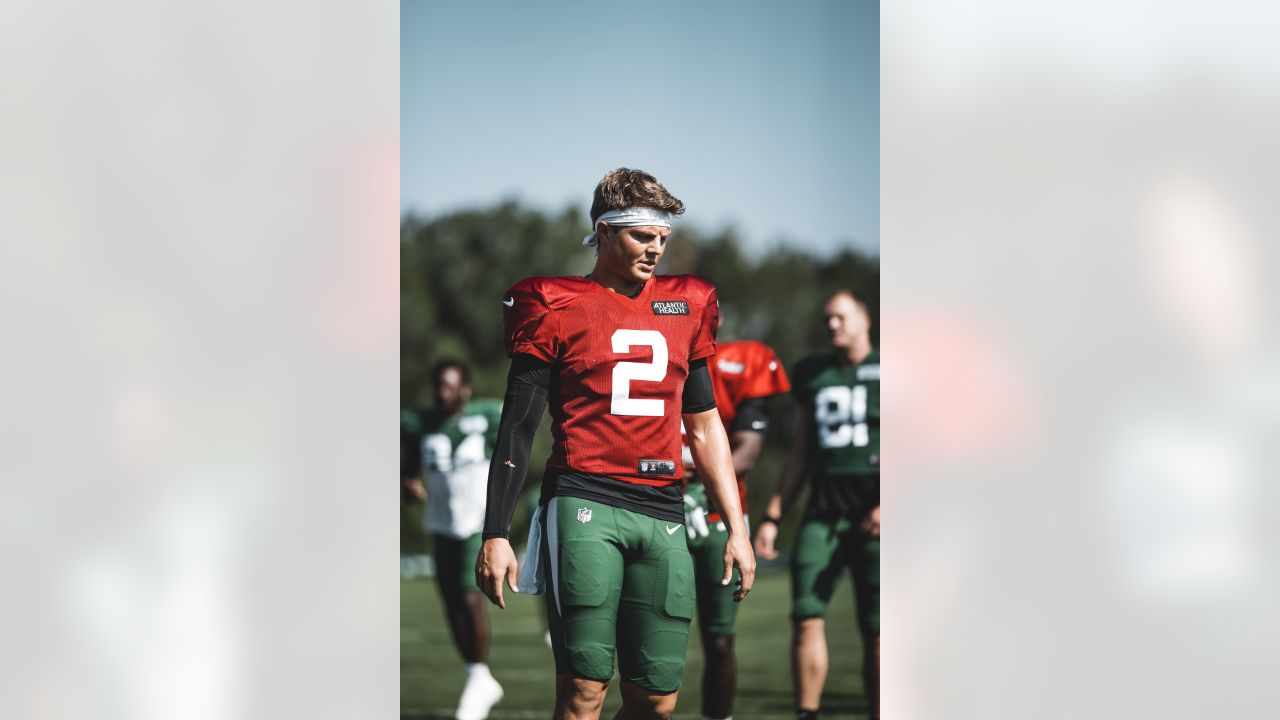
449,447
837,443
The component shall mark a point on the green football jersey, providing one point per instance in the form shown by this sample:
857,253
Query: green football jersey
447,442
451,454
843,401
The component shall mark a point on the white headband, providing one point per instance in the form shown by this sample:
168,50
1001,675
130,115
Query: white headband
630,217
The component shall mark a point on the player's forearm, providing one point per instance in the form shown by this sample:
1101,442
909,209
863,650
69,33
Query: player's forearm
722,489
745,446
709,445
793,473
522,408
788,487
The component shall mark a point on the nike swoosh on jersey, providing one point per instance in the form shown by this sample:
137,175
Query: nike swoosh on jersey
509,301
672,529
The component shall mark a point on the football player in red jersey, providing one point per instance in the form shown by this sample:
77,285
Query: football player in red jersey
621,355
745,374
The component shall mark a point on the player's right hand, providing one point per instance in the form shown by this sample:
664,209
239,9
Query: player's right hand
413,488
495,563
766,535
871,523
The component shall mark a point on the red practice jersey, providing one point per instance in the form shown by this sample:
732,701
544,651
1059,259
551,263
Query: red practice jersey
618,369
744,370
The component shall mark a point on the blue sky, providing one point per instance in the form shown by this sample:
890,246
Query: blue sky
759,115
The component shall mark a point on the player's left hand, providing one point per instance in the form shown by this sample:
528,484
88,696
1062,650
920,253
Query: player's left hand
737,553
871,523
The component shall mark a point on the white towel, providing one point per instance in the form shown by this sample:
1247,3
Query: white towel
533,579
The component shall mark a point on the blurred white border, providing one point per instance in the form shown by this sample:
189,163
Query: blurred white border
1075,201
199,213
199,277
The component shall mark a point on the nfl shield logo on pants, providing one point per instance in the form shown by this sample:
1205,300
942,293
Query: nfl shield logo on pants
584,515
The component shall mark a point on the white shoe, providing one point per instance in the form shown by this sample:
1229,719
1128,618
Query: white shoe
478,697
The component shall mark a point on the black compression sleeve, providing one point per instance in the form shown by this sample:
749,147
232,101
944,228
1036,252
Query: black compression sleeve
698,395
528,382
753,415
410,456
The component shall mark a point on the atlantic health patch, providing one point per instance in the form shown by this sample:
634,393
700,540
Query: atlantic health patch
670,307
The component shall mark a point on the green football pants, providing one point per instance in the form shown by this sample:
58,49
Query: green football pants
717,612
456,567
618,581
824,548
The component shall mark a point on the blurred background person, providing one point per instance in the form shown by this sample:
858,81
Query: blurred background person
837,444
744,375
450,445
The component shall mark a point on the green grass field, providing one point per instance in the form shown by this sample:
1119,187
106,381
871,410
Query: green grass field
431,674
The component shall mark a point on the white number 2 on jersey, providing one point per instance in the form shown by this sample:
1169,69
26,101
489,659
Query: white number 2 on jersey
625,372
840,414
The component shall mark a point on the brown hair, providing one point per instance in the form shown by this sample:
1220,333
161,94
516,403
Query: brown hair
624,188
855,297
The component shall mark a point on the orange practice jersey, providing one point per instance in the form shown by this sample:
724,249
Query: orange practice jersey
743,370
